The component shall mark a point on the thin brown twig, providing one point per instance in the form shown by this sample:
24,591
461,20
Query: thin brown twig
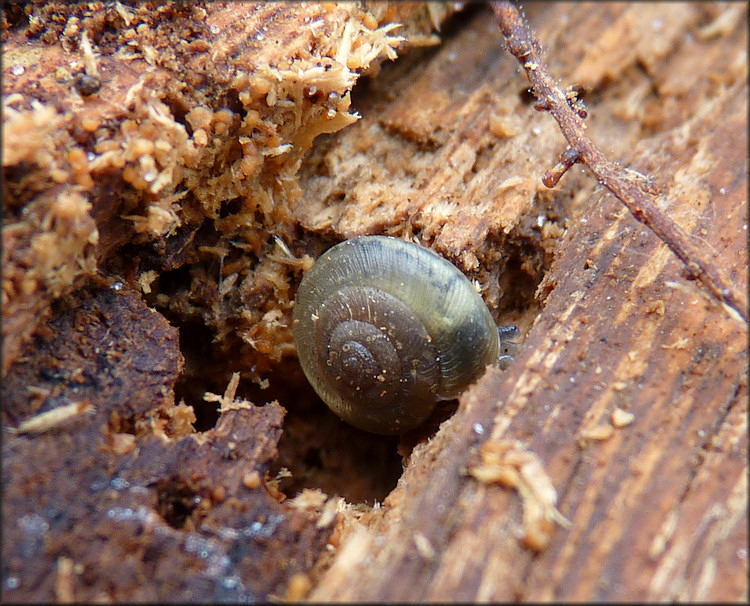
630,187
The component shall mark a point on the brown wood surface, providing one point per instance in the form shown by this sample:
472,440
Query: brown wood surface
658,509
200,121
118,497
124,502
109,493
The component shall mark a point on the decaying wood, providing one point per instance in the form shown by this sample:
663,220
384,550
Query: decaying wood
657,507
188,148
141,507
138,141
219,156
630,187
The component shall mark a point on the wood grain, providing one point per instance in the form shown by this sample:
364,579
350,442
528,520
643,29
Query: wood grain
258,179
657,509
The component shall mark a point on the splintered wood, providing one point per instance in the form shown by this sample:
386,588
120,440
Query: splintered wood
228,402
510,464
143,122
171,170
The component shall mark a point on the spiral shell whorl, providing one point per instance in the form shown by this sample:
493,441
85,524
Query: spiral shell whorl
385,328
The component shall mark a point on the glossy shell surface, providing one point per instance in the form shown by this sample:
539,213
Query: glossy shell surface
385,328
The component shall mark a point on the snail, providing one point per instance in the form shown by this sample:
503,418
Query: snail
385,329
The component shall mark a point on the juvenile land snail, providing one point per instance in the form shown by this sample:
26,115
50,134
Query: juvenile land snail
385,328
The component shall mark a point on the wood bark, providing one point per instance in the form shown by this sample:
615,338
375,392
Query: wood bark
657,508
609,462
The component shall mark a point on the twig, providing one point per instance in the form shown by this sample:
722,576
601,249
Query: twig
630,187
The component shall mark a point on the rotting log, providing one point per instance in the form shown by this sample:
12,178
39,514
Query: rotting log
657,501
450,151
144,145
198,124
123,501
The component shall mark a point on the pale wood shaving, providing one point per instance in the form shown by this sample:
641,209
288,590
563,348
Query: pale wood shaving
227,401
509,463
89,57
622,418
424,546
598,433
53,418
64,581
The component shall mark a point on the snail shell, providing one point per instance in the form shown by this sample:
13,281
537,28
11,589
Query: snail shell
386,328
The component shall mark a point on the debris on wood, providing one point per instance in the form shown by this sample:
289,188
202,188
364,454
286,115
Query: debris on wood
53,418
510,464
621,418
